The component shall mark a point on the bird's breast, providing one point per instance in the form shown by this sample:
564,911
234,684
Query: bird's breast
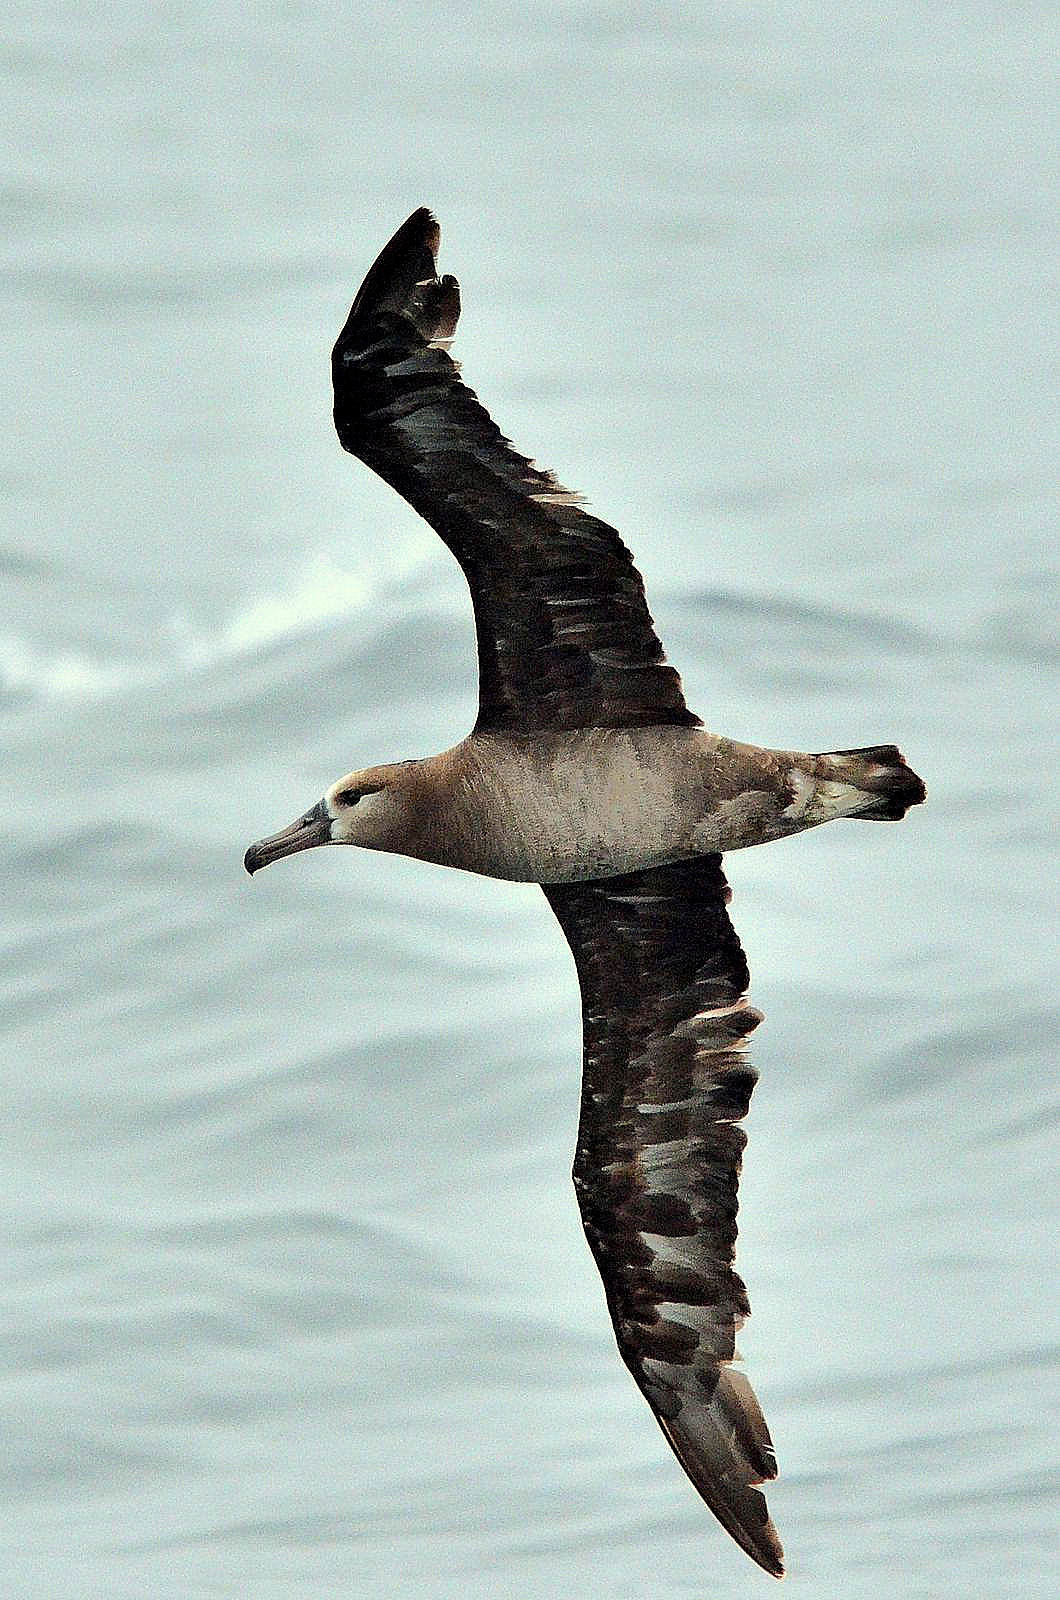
548,808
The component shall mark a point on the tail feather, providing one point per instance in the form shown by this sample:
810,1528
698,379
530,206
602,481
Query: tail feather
879,770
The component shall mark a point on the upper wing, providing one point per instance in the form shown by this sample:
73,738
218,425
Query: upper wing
564,635
665,1016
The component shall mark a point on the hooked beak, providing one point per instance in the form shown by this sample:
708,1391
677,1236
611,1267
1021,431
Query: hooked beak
312,829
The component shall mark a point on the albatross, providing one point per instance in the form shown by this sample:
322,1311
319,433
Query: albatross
587,773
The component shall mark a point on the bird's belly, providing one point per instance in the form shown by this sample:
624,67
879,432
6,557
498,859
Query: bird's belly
553,809
558,848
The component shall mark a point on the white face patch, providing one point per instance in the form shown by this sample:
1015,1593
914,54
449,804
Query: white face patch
370,818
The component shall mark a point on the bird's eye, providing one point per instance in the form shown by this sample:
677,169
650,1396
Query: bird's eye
348,797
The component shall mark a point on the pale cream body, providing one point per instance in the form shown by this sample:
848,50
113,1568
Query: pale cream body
550,807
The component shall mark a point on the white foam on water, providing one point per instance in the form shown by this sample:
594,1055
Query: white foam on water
322,593
62,675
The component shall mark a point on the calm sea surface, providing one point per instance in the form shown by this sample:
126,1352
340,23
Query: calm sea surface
295,1299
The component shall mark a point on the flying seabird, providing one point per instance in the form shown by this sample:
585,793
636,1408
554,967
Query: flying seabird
586,772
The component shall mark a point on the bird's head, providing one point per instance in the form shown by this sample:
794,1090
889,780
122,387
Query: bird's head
362,808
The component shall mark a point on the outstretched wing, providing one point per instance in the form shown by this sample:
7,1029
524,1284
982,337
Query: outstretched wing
564,635
665,1017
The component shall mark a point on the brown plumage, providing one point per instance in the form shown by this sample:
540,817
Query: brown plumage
564,635
587,773
665,1016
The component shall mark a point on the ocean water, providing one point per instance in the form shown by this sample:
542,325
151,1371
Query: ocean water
295,1299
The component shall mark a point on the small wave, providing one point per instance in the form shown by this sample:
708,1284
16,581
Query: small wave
322,593
62,675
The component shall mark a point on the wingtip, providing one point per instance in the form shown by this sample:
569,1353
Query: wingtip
726,1451
403,279
428,225
420,228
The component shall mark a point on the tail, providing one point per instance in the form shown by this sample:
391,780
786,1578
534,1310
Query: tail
880,775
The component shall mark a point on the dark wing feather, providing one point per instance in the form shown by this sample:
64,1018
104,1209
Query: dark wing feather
665,1017
564,635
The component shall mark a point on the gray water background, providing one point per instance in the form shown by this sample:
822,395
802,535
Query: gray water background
296,1302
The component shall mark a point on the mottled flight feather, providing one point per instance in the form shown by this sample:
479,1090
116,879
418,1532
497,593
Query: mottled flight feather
665,1016
565,639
